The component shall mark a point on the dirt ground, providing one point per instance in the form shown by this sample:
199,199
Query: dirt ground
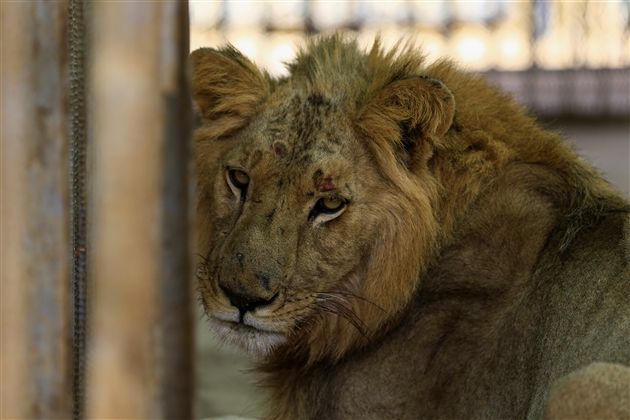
226,383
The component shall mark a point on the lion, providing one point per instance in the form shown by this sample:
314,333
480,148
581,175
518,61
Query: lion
392,239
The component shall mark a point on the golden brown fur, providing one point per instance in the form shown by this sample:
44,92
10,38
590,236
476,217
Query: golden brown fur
474,260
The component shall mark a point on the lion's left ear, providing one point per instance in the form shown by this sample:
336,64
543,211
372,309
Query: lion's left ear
421,110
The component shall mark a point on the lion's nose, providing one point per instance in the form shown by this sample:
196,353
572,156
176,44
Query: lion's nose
243,301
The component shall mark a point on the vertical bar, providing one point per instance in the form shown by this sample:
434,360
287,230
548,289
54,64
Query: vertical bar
178,312
78,145
35,256
141,347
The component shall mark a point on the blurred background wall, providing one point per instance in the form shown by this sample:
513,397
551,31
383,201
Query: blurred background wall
569,61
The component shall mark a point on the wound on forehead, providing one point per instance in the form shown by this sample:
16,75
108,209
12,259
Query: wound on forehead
326,185
278,148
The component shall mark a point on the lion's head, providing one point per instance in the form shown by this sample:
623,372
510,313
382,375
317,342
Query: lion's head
315,206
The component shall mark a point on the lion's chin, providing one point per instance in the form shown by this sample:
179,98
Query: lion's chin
251,340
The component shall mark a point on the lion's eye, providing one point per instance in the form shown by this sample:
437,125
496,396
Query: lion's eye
327,209
238,178
328,205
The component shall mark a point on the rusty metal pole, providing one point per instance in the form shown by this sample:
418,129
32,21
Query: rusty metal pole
141,343
36,380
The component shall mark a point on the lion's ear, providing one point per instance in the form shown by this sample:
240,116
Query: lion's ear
225,82
421,109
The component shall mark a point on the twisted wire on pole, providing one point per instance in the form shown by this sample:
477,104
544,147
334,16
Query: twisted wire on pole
78,203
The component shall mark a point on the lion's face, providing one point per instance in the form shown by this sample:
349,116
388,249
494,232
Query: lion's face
289,222
315,209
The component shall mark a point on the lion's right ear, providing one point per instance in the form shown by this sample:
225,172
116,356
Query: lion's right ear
226,83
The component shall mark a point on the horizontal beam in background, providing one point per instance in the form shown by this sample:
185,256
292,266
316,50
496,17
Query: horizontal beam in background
574,92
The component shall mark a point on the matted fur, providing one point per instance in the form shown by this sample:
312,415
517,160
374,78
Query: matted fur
476,259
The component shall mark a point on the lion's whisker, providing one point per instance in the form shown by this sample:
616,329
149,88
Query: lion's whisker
351,295
347,313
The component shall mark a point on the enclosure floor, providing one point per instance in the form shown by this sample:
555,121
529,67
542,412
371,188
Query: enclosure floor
226,384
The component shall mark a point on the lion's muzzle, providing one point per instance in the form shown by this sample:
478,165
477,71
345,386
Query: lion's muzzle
245,302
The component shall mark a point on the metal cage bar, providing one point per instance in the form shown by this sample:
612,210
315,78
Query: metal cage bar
137,128
141,348
35,257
